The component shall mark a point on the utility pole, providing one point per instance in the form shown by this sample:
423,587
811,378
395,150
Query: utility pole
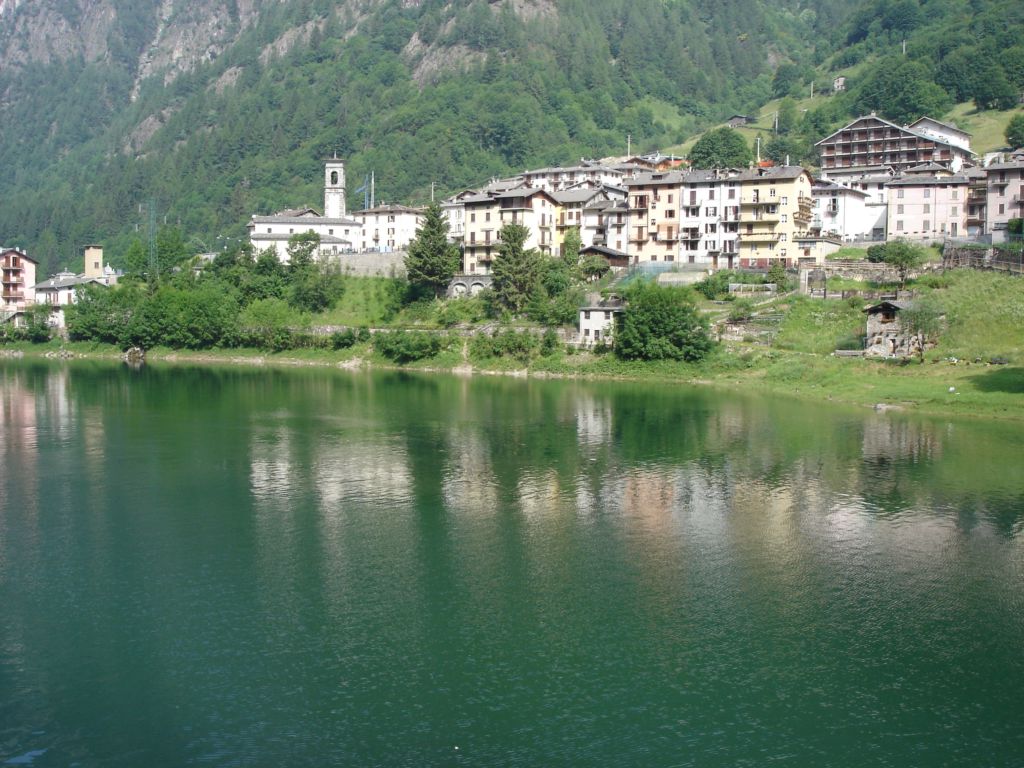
904,46
629,145
151,238
373,188
432,191
758,149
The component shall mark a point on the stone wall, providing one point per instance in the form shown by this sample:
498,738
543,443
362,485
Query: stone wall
373,264
852,269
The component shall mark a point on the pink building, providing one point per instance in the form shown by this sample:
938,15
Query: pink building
17,278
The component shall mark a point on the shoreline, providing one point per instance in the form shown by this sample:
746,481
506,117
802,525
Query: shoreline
916,388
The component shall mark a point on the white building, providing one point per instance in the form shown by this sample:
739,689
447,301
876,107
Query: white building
709,215
338,233
556,179
597,323
846,213
387,228
61,290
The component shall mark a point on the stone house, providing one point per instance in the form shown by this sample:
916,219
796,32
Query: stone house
886,336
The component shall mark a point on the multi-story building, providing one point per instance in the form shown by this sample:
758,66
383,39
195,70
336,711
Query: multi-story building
1005,197
846,213
557,179
927,207
606,225
17,281
873,141
709,217
775,209
977,202
487,212
387,228
653,200
572,207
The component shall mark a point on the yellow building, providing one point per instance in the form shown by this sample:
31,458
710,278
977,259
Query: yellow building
775,209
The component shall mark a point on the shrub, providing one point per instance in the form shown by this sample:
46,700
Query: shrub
876,253
741,309
522,346
407,346
343,339
660,323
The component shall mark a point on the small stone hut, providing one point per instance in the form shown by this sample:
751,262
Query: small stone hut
886,335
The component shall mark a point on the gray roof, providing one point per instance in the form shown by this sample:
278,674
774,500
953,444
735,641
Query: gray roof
775,172
1017,165
389,208
889,303
308,220
905,128
931,182
575,195
57,282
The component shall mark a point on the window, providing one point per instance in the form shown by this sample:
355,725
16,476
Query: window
487,216
899,194
927,208
771,192
785,201
269,230
927,194
711,194
670,214
953,211
783,218
899,225
472,217
782,237
732,193
1002,208
330,231
955,194
927,226
670,199
899,209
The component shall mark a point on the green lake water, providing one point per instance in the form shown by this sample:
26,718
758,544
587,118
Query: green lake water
234,567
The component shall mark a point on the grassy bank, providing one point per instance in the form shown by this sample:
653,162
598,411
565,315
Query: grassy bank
985,323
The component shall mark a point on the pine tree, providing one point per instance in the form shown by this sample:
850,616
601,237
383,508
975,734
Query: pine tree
517,269
432,261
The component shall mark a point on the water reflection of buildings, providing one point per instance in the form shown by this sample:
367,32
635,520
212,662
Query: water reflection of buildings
891,439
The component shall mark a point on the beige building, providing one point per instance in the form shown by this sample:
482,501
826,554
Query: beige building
487,212
775,210
654,202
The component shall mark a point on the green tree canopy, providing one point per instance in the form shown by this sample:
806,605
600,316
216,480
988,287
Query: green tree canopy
904,257
517,269
901,90
1015,131
659,323
432,261
721,148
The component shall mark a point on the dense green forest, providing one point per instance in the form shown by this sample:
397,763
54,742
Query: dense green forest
444,91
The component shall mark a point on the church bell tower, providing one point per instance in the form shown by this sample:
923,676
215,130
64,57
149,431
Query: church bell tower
334,189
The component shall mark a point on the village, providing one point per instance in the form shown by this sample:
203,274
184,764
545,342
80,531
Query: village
878,182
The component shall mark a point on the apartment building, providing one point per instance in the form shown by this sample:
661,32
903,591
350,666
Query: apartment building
977,202
874,141
927,208
1005,196
573,205
606,225
846,213
557,179
386,228
709,217
17,281
775,209
487,212
654,204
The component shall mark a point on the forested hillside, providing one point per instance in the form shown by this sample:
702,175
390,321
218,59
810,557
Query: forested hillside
215,112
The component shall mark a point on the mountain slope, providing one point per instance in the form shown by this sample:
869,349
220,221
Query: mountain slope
217,111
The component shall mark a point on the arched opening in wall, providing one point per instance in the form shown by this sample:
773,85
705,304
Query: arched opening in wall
334,177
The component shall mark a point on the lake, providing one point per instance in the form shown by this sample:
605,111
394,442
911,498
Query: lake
245,567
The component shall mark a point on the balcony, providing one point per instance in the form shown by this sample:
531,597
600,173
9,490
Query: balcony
765,216
668,234
13,295
759,237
